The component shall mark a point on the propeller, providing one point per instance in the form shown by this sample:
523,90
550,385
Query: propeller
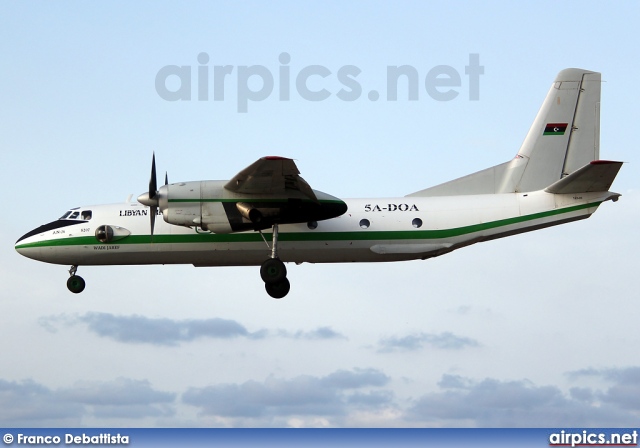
150,198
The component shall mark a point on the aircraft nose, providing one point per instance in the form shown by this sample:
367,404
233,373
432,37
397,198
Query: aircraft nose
23,239
27,245
26,248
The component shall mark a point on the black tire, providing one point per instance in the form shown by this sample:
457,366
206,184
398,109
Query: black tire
273,271
76,284
278,290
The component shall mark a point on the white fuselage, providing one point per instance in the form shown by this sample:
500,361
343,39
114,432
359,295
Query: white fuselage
387,229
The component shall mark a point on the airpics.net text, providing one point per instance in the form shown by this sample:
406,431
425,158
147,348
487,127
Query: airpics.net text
255,83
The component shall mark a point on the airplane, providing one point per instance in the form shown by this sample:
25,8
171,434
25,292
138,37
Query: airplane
267,215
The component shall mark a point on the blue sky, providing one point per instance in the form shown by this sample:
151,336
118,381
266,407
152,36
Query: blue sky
534,330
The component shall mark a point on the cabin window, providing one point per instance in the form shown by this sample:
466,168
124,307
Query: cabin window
86,215
312,225
417,223
364,223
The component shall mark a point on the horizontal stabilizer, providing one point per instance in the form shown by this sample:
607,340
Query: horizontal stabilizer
596,176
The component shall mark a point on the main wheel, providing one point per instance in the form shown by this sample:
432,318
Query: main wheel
273,271
76,284
278,290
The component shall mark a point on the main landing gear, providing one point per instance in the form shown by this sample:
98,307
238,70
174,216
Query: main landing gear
75,283
273,271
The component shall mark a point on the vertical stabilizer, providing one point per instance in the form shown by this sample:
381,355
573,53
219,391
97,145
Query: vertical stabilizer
564,137
565,134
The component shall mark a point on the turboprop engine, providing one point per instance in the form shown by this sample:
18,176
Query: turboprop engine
213,206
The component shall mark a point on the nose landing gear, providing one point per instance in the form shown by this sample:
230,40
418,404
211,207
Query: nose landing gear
273,271
75,284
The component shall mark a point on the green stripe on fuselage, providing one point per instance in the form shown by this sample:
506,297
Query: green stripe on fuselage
322,201
362,235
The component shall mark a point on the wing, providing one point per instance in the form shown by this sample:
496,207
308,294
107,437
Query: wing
271,175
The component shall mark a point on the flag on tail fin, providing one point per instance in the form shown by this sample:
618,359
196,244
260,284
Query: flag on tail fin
555,129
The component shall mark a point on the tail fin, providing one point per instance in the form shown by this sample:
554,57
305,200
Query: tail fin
564,137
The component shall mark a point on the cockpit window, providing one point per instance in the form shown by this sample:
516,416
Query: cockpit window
72,214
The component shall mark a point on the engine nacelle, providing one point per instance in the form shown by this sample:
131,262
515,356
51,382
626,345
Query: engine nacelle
195,204
210,206
180,203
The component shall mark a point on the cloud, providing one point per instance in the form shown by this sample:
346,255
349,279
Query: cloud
333,395
321,333
30,404
357,397
346,379
454,382
497,403
417,341
140,329
168,332
625,390
582,394
120,392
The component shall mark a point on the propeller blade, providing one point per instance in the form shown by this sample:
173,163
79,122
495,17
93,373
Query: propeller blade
151,199
166,178
153,183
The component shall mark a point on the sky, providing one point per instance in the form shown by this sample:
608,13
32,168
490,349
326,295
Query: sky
535,330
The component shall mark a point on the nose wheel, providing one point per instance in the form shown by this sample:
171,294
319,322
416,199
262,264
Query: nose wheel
273,271
75,284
